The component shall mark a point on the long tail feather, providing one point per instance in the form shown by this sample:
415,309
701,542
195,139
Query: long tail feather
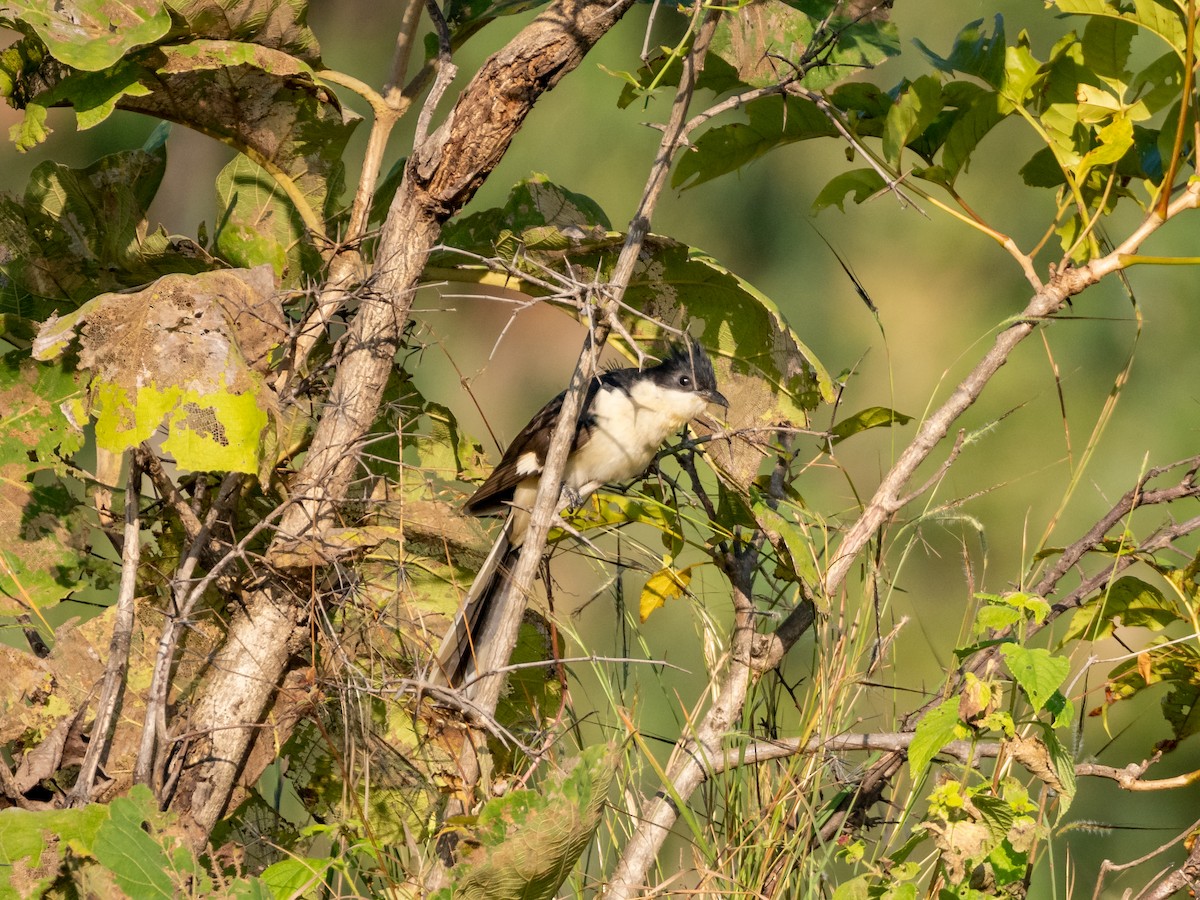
473,625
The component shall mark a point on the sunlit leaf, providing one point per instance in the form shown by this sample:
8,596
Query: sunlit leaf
937,728
872,417
1038,672
911,114
1131,601
91,34
668,583
189,352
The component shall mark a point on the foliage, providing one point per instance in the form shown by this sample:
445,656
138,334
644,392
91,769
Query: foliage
278,592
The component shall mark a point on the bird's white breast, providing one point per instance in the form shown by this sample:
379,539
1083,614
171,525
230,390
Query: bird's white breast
628,429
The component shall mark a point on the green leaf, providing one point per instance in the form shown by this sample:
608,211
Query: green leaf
1160,18
996,618
871,417
189,352
526,843
1106,46
92,34
94,95
44,522
861,183
294,877
1043,170
140,864
938,728
1132,601
26,835
1036,671
974,52
789,540
80,231
772,122
984,113
31,130
1022,73
854,889
259,224
910,115
1159,83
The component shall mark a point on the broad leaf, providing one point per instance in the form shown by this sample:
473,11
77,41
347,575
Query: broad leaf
910,115
80,231
772,122
859,184
792,545
91,34
1037,671
189,352
1160,17
45,524
668,583
938,728
872,417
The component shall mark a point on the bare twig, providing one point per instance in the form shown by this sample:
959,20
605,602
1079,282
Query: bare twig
154,726
1187,875
1106,866
118,646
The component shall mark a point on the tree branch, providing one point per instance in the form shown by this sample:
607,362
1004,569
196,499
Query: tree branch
118,647
441,176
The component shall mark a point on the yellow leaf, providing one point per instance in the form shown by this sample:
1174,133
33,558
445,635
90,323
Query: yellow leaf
665,584
1145,666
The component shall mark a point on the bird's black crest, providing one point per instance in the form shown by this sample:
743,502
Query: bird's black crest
690,357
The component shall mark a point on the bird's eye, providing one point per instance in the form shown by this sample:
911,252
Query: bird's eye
684,381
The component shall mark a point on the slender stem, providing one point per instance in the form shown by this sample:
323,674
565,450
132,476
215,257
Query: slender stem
1185,105
118,647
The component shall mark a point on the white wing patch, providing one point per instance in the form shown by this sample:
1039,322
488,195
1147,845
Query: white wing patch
527,463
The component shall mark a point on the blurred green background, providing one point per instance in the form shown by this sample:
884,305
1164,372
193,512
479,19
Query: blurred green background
941,289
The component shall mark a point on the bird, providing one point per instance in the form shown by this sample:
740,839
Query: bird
625,417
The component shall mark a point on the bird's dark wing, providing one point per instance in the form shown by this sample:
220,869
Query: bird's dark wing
534,438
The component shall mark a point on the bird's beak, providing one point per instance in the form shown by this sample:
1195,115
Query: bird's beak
716,397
